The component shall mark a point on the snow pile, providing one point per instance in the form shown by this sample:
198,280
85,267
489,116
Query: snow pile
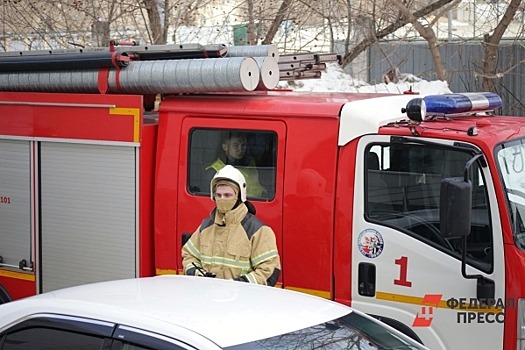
335,79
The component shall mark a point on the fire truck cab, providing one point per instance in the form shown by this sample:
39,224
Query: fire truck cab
409,208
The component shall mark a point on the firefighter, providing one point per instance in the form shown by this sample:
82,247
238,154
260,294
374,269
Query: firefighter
232,243
233,151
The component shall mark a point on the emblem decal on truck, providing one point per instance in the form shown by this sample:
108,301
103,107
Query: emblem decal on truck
370,243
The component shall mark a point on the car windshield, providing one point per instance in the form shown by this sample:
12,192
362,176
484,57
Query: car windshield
349,332
511,164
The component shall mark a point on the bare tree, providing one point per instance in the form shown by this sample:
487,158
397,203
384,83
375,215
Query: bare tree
41,24
156,28
491,44
277,20
354,25
389,29
426,31
62,22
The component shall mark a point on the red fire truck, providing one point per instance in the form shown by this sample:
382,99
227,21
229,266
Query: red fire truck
410,208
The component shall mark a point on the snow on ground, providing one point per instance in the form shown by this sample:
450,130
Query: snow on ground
335,79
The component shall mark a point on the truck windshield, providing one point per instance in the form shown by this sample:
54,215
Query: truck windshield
510,160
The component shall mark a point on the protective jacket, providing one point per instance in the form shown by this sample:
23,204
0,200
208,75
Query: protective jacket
254,187
235,245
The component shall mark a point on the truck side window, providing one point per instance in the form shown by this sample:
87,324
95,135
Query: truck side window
403,191
254,153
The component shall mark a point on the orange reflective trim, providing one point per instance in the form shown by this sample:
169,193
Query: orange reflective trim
319,293
167,272
18,275
135,112
408,299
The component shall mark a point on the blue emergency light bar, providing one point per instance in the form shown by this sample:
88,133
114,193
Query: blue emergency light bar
462,103
451,104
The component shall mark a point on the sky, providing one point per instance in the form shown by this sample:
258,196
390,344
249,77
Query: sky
335,79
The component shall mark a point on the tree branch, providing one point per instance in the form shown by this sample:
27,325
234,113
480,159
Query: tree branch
283,9
402,21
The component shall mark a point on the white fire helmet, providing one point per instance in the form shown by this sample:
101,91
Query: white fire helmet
231,174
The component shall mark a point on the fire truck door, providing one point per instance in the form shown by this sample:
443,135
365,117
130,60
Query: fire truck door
402,268
16,214
263,167
88,200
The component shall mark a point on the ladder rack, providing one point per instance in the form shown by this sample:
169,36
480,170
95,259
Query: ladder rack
305,65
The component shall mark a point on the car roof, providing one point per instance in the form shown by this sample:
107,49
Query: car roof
226,312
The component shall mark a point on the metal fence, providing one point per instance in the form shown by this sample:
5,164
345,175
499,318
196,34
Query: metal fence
464,66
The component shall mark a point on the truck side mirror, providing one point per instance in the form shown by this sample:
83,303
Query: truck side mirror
455,211
455,207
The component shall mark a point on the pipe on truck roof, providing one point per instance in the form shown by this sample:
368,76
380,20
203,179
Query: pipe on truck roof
69,61
145,77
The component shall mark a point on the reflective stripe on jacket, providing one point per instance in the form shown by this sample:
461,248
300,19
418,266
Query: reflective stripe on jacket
234,245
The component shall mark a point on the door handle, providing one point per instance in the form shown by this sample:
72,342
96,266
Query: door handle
367,279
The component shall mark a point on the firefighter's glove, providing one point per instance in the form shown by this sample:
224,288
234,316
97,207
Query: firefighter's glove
204,273
199,271
241,279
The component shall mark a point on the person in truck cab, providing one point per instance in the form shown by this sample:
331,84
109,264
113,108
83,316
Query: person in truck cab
232,243
233,152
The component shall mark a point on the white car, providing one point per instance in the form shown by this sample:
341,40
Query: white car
187,312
